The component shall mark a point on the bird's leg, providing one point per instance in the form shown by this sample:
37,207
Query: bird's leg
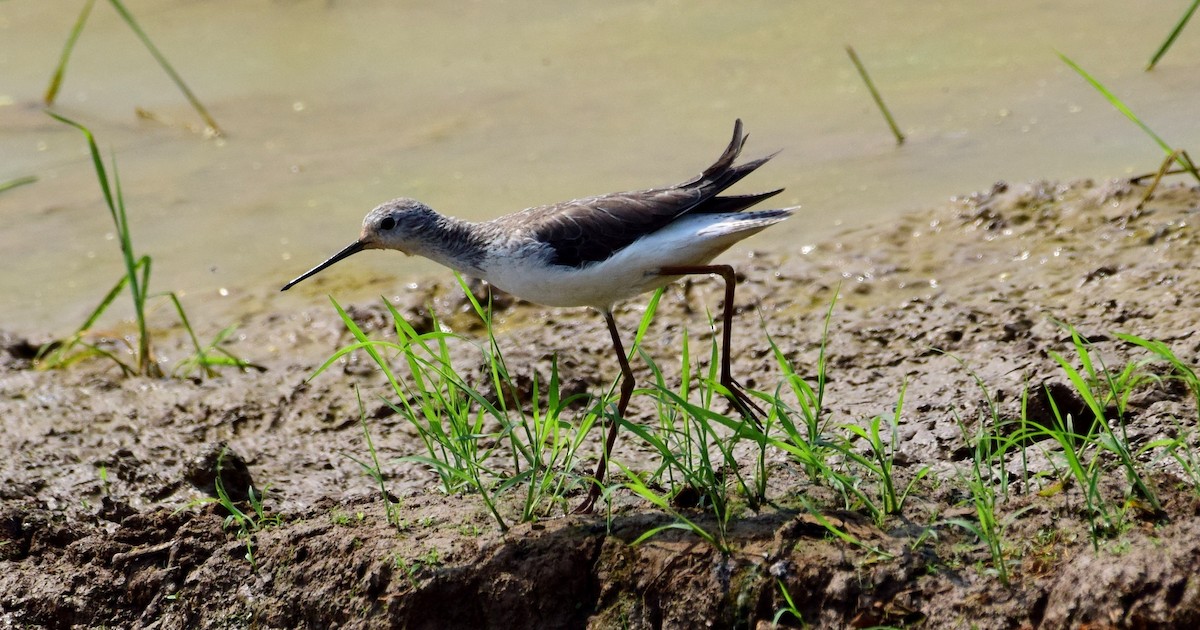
622,404
737,395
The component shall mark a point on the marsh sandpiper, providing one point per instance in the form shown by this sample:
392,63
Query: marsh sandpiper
592,252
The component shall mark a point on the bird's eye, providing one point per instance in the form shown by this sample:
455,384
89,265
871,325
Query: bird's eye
387,223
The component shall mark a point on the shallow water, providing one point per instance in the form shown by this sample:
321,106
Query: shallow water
485,108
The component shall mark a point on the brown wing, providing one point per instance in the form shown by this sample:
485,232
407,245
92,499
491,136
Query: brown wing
584,231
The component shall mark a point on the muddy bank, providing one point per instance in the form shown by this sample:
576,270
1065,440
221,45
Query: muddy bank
98,525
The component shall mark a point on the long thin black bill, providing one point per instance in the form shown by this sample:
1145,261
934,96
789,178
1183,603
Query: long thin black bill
351,249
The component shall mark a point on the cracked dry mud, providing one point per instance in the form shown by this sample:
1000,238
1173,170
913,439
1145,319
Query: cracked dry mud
972,289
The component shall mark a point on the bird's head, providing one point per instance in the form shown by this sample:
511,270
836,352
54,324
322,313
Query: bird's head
393,225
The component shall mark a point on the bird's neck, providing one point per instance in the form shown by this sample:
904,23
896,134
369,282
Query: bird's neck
451,242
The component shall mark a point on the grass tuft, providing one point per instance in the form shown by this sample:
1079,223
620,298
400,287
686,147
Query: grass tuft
1102,391
245,523
491,446
137,269
467,433
65,352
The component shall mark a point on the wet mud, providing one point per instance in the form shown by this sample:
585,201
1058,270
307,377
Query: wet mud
100,527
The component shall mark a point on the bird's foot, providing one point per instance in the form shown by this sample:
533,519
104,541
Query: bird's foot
589,504
743,402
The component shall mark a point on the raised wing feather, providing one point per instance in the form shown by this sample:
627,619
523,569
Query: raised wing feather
584,231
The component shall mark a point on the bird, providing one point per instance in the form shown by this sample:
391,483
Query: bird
592,252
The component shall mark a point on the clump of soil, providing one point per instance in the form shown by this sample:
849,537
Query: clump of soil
101,523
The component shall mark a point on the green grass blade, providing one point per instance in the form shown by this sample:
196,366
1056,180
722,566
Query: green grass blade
366,344
1081,386
139,290
126,369
97,163
790,609
61,69
374,469
479,309
1162,50
20,181
58,357
228,359
841,534
681,522
1124,109
104,304
644,324
887,115
345,350
166,66
1115,102
1164,352
187,326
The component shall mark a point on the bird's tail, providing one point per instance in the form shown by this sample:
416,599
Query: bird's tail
723,174
747,223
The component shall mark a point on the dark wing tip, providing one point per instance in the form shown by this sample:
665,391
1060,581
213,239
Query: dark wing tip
734,203
730,154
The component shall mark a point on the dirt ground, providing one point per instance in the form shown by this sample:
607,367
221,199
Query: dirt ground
99,525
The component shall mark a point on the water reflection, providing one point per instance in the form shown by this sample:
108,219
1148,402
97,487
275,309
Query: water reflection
484,108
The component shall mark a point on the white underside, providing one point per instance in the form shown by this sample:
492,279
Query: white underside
690,240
